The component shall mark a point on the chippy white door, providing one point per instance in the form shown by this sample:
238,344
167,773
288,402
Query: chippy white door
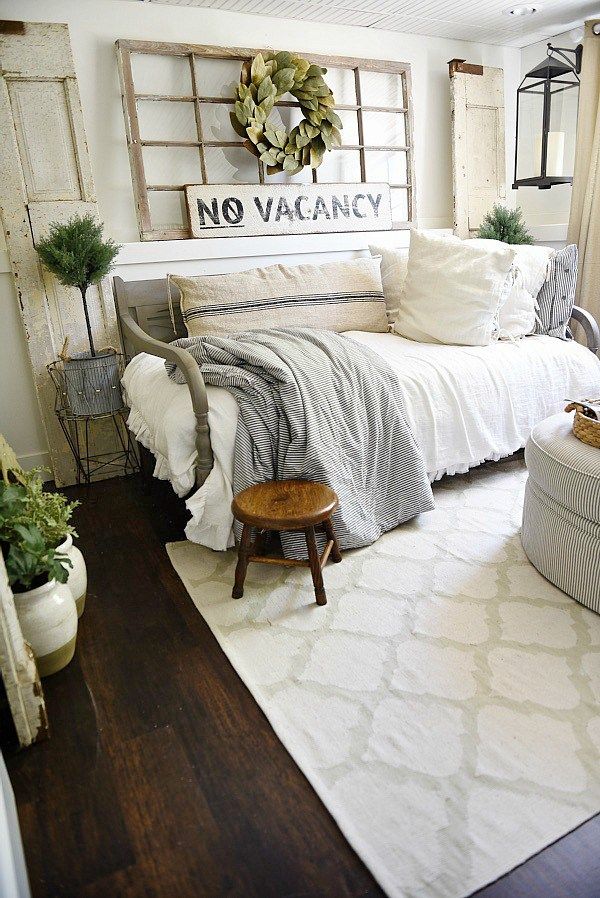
46,177
479,163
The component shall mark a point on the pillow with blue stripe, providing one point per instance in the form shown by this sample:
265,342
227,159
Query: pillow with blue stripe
556,299
338,296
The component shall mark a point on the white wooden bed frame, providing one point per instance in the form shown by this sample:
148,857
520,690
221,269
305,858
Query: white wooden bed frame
146,326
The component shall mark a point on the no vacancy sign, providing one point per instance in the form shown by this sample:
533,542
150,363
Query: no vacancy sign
248,210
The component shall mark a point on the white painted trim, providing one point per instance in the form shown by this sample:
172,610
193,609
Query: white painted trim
158,251
550,233
29,460
4,262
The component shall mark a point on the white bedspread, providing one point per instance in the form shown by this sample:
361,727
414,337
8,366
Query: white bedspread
465,405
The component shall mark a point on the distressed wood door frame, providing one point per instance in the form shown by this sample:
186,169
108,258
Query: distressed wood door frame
46,177
478,154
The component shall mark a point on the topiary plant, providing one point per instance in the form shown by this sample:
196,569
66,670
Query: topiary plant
505,225
76,253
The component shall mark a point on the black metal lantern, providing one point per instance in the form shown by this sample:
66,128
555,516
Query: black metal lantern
547,101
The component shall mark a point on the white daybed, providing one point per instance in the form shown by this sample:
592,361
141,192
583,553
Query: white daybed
465,404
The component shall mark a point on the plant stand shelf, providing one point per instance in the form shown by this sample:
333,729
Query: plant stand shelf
83,431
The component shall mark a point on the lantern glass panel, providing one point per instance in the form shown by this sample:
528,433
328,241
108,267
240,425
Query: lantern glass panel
561,135
529,146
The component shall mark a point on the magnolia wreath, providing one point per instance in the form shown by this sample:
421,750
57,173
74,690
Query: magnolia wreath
264,81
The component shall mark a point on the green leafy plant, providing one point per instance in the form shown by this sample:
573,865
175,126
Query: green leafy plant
505,225
76,253
49,512
30,559
31,562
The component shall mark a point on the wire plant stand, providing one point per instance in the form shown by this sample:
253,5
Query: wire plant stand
80,407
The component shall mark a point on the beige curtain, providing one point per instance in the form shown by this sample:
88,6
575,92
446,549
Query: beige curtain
584,220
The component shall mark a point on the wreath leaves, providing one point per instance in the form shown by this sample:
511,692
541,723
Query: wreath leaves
265,80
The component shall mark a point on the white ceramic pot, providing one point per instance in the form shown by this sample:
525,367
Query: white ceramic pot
48,619
77,581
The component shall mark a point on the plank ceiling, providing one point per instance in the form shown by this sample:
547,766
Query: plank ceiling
470,20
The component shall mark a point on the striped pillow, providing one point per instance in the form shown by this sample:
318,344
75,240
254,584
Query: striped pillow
556,298
340,296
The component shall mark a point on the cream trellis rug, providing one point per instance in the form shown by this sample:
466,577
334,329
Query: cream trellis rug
445,704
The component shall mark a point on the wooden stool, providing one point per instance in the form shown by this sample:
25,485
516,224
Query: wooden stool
286,505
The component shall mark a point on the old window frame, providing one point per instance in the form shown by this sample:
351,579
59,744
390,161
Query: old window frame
135,143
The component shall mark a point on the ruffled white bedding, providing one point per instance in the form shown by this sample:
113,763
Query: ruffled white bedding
464,404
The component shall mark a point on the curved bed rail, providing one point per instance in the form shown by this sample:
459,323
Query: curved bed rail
590,327
135,339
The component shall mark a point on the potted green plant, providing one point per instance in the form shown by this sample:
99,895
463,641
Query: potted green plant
51,514
37,574
77,254
505,225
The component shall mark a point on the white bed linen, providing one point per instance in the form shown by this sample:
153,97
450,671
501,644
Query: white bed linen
465,405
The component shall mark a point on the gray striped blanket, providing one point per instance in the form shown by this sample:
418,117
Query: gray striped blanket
317,405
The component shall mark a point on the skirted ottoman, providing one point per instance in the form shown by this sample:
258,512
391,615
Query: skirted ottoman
561,514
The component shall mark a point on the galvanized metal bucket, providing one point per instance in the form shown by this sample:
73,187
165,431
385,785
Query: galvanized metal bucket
93,383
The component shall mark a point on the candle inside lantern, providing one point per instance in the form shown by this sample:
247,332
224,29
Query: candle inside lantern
555,157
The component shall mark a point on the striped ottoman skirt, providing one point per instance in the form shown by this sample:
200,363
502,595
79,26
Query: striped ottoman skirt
561,514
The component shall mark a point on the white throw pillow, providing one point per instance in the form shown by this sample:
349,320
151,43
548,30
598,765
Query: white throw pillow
453,290
394,264
518,312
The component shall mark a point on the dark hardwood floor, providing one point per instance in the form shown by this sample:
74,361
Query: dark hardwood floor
162,776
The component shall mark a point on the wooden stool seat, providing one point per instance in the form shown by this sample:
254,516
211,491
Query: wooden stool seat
286,505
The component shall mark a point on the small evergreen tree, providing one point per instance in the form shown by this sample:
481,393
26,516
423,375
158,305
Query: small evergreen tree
505,225
76,253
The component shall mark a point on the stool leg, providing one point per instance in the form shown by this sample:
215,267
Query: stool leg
315,565
336,555
242,562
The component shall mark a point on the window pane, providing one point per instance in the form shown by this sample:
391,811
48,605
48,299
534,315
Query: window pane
159,74
167,209
230,165
381,89
303,177
384,129
285,117
341,82
172,165
216,124
350,129
399,205
391,168
166,121
340,165
217,77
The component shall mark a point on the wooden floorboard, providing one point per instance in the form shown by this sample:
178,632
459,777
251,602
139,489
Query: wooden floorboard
162,776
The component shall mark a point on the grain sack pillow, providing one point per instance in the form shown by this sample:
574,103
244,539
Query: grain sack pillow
394,264
453,290
556,299
518,312
339,296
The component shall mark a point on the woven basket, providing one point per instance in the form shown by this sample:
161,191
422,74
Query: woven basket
585,429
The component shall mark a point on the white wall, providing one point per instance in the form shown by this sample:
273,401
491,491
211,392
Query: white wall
94,27
547,211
